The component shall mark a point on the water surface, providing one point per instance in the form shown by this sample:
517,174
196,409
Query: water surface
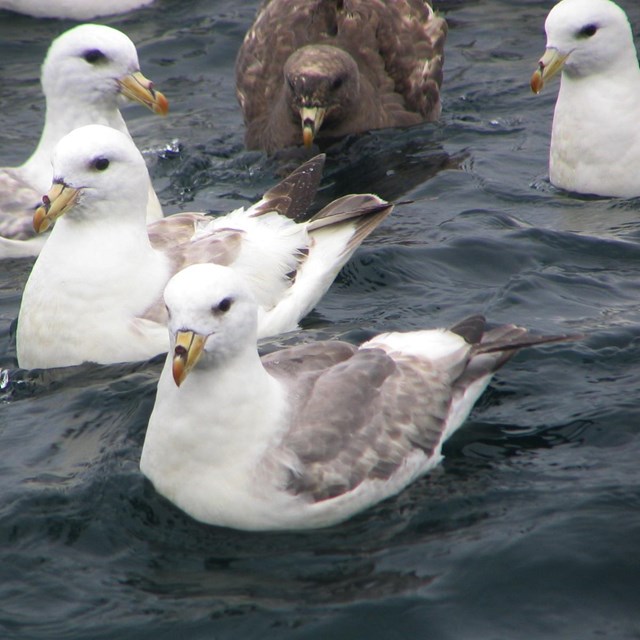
530,527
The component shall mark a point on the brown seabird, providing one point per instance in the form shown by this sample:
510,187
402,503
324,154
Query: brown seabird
328,68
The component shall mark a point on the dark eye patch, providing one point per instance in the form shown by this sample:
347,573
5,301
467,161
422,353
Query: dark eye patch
100,164
94,55
337,83
587,31
223,306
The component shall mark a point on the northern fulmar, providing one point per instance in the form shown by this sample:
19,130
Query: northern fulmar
88,70
308,436
595,140
95,291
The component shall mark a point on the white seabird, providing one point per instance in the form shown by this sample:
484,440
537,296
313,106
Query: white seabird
308,436
95,291
87,71
595,138
72,9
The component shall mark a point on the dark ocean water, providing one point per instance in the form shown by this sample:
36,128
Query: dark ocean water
531,526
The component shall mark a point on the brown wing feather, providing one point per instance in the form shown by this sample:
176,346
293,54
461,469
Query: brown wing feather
277,32
411,42
293,196
398,46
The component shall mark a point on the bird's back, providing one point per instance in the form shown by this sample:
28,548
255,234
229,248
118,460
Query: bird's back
398,47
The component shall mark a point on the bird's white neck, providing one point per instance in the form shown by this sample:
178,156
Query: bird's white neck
63,115
233,406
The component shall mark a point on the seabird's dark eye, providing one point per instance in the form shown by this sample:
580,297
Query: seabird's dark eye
337,83
100,164
94,55
587,31
224,305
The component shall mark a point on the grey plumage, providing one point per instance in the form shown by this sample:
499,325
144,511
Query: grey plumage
359,413
304,437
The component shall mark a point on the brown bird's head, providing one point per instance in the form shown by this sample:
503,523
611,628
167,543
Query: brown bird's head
322,87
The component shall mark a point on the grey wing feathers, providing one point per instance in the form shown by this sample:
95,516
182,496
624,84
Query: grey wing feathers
367,210
492,348
19,202
506,337
360,421
361,418
297,361
172,230
175,237
512,338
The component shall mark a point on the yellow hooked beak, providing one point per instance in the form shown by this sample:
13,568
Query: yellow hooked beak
137,88
312,118
551,62
189,346
58,201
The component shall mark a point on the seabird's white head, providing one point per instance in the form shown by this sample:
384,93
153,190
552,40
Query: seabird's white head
95,65
585,38
93,165
212,317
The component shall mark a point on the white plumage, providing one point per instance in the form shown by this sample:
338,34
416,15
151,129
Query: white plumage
595,139
95,291
72,9
87,71
308,436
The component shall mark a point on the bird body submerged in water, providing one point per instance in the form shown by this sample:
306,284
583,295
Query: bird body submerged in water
87,71
595,138
95,292
308,436
312,69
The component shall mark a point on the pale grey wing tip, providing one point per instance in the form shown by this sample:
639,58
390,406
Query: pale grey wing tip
524,339
364,211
